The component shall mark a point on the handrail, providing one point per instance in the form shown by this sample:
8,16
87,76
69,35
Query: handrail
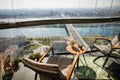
43,56
58,21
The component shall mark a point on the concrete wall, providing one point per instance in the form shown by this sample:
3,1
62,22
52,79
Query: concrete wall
5,43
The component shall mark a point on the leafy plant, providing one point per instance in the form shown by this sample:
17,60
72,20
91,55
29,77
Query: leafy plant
31,47
16,59
34,56
31,56
37,55
7,65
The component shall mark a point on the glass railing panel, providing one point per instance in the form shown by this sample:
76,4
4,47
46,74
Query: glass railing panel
87,8
36,31
102,29
38,9
115,9
91,31
27,10
6,11
103,8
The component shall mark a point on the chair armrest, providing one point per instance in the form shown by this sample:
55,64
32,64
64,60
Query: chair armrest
43,56
116,47
100,38
72,67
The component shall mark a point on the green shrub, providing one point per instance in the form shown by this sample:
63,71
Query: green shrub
34,56
16,59
31,56
16,62
37,55
31,47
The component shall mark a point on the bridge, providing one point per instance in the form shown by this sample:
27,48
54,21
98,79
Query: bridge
75,35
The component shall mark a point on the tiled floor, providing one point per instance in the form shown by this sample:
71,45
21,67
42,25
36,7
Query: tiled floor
23,73
88,70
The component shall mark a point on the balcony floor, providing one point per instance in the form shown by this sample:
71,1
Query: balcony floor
88,70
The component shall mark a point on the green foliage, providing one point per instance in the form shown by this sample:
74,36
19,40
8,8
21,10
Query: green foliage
31,47
34,56
37,55
16,60
45,43
7,56
31,56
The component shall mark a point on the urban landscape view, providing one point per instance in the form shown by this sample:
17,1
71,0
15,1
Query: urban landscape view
92,49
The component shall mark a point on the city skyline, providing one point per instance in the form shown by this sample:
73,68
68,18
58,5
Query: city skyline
19,4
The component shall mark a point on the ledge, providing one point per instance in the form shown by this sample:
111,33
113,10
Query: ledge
58,21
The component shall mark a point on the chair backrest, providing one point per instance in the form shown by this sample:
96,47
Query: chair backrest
59,46
55,68
51,71
115,41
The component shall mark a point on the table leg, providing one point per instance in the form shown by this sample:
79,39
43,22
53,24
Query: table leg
35,73
77,63
85,60
35,76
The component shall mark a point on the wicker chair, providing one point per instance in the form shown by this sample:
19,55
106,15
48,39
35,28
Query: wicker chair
111,50
55,68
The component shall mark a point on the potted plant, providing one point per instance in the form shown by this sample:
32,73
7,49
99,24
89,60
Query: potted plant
16,61
8,68
72,42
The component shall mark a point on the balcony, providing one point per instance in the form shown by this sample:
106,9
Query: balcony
33,29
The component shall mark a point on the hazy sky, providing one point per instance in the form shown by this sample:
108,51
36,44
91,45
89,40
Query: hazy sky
7,4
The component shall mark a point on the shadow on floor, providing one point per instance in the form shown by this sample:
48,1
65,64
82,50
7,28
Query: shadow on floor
114,69
85,72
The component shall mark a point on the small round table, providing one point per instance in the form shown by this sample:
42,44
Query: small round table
76,50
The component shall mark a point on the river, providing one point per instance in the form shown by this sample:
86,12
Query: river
58,30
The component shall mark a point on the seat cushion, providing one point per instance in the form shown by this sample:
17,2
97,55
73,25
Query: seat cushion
117,50
117,59
102,48
63,63
114,41
105,49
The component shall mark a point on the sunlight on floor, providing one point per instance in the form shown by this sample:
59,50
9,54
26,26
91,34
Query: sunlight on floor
90,70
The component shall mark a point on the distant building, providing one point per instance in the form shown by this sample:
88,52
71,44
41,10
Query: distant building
12,51
7,42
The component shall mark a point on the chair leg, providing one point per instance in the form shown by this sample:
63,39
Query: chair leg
91,50
85,60
105,61
77,63
101,57
35,76
107,58
97,59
